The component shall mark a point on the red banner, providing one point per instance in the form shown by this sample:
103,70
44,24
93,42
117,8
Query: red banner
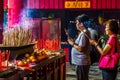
70,4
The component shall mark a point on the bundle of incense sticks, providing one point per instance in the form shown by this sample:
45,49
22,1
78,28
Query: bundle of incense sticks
84,31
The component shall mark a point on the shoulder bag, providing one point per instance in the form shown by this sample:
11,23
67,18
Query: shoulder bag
110,62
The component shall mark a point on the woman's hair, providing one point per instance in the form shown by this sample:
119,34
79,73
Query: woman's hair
83,18
113,25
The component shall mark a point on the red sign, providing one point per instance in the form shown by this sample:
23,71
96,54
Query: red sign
77,4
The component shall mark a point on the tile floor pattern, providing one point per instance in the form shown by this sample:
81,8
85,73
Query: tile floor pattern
94,74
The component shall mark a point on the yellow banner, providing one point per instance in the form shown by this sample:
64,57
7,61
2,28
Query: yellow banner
77,4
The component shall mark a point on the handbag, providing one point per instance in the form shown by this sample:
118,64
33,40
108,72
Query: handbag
109,62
